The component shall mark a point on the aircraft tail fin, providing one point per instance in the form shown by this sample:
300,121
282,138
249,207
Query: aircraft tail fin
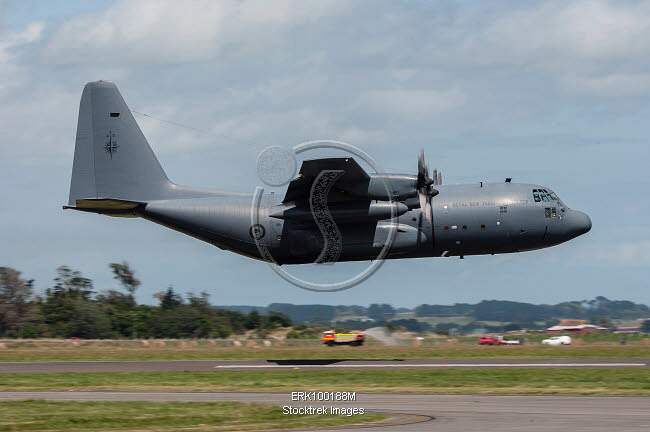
112,158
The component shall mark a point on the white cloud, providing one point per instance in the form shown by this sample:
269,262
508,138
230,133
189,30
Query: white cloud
626,254
586,29
412,103
11,71
39,126
615,84
617,253
153,31
591,47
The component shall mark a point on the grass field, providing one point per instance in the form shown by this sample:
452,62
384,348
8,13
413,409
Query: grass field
150,416
90,351
501,381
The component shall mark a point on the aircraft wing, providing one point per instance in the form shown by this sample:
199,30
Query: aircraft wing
353,182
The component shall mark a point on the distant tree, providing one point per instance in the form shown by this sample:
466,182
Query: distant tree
444,328
200,302
65,301
645,326
70,283
458,309
604,322
512,327
277,319
254,320
306,313
15,306
551,322
411,325
381,312
88,321
234,320
114,300
119,309
123,273
388,311
169,299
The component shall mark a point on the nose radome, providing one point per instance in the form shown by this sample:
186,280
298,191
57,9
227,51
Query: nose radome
578,223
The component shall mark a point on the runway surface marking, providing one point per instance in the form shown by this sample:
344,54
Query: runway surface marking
435,365
315,364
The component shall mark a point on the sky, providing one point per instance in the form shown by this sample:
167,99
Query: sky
554,93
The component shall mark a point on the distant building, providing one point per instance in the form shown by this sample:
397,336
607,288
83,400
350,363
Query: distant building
576,329
571,322
628,330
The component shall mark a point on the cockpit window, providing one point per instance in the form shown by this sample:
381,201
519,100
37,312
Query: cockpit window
543,195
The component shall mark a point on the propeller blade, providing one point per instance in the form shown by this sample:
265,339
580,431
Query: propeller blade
425,191
423,200
423,172
421,163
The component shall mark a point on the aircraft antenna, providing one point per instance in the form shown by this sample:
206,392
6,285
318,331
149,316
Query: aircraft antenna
181,125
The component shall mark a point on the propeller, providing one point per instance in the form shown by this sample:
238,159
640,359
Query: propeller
425,191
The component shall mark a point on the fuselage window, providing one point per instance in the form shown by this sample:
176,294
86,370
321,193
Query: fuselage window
503,209
482,226
550,212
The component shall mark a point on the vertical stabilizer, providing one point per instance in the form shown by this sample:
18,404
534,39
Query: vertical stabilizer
112,158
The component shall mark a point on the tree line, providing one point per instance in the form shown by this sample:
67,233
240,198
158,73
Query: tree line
72,308
509,311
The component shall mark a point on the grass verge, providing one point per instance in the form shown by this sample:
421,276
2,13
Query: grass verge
39,415
116,353
501,381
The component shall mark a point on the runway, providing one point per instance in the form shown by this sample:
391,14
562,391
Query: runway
444,413
342,364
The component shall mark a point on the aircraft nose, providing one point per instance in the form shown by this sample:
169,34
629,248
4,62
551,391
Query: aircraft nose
577,223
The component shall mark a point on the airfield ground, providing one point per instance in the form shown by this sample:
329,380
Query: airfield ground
59,350
158,416
450,381
401,383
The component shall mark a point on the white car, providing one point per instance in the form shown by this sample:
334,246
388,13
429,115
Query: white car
557,340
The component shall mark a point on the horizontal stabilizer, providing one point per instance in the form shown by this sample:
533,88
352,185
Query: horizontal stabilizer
110,207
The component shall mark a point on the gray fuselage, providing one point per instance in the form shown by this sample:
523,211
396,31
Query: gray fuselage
469,219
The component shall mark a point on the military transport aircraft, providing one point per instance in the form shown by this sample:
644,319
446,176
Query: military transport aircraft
116,173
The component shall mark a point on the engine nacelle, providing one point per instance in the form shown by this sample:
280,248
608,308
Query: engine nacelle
375,210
